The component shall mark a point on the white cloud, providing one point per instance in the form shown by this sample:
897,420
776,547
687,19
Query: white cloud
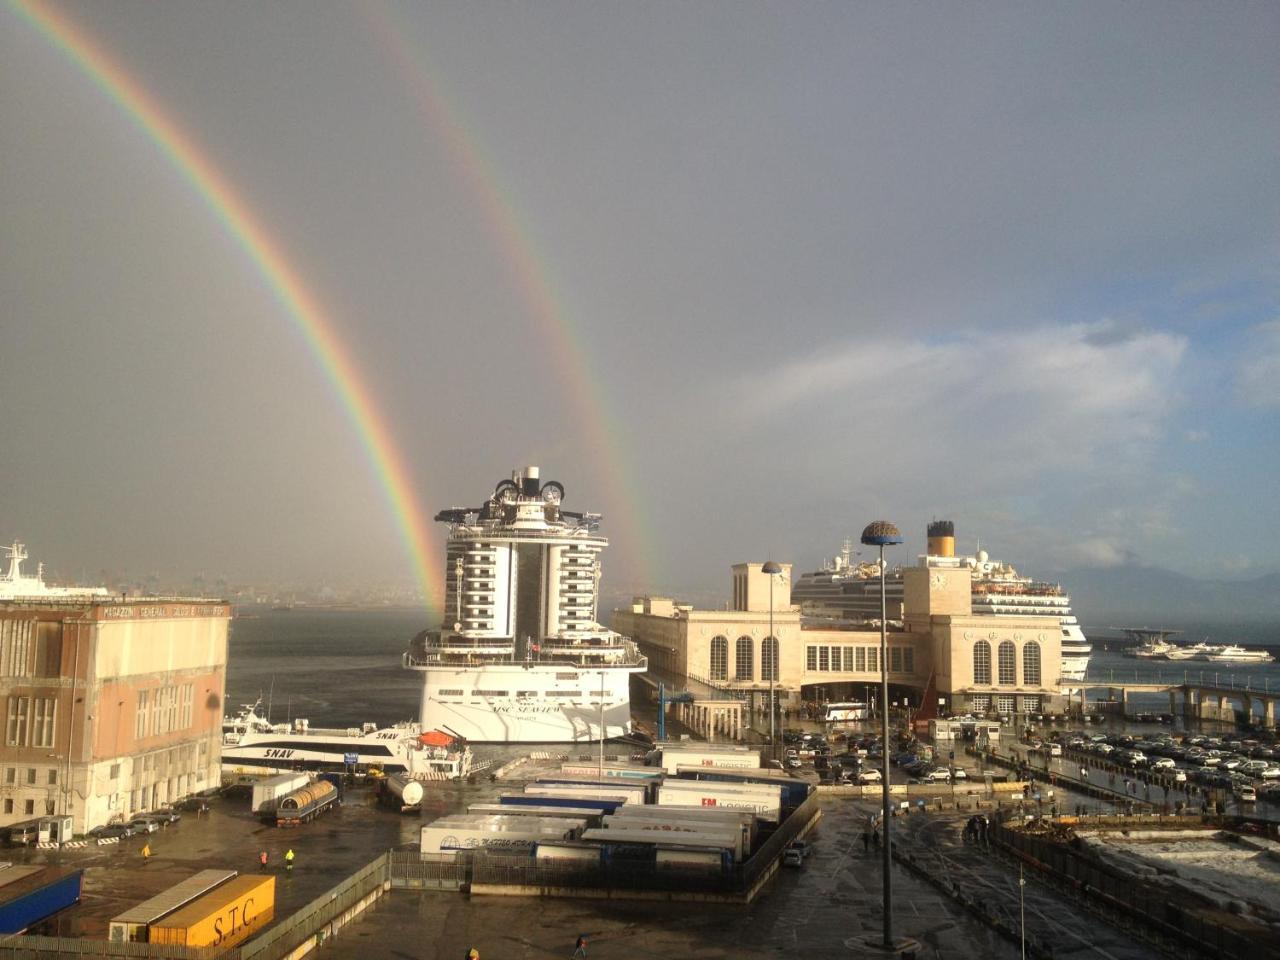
991,403
1258,377
1096,552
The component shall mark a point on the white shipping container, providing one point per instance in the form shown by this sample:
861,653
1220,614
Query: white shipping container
674,830
590,814
709,796
744,820
618,794
704,746
611,771
269,792
673,760
710,841
554,825
453,839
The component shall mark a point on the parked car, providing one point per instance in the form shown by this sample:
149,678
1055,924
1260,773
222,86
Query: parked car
1164,763
193,804
110,830
1245,793
145,824
793,763
803,846
940,775
960,773
792,858
166,815
869,776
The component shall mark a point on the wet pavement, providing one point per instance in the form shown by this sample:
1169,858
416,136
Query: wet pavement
828,908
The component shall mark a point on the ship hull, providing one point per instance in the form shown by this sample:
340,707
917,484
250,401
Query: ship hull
539,703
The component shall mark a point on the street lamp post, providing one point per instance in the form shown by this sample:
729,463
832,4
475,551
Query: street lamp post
880,534
772,569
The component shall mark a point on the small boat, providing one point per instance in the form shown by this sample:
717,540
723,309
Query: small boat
1234,653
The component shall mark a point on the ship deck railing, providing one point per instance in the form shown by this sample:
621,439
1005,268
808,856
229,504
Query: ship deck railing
480,532
411,660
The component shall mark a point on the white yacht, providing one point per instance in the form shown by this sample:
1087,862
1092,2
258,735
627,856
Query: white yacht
251,742
851,591
520,656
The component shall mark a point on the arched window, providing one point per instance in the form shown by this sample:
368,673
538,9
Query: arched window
718,668
744,666
1008,662
1031,663
769,659
982,663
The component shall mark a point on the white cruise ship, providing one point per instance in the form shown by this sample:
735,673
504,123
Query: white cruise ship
851,591
520,656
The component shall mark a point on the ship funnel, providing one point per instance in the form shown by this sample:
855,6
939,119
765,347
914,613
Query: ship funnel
942,538
529,482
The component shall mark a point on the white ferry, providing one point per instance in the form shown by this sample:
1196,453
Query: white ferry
851,591
520,656
251,742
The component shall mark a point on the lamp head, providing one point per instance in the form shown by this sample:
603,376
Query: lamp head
770,568
881,533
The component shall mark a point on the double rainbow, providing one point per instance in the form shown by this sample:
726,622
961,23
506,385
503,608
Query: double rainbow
269,257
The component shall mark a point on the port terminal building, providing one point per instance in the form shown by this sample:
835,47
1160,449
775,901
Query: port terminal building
112,705
975,664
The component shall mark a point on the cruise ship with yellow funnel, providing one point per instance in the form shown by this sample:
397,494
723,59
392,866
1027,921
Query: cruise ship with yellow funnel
846,590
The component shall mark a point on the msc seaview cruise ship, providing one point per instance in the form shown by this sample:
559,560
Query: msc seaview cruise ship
520,656
851,591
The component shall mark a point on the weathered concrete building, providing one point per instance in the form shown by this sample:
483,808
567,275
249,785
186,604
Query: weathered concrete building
112,706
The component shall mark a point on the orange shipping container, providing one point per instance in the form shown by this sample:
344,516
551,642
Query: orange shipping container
227,916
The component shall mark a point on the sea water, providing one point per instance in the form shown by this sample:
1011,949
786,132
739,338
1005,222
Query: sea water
336,668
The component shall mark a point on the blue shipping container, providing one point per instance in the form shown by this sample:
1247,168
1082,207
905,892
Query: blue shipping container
27,902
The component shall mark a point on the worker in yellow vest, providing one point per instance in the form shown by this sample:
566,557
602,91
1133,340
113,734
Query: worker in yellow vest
288,859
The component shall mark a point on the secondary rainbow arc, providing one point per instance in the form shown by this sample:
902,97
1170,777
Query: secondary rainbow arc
269,257
531,274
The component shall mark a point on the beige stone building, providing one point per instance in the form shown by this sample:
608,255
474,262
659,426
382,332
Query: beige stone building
112,706
977,663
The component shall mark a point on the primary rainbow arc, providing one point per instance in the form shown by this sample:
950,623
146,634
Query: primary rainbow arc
198,168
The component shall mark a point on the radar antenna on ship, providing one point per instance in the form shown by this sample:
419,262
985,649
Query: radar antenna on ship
17,553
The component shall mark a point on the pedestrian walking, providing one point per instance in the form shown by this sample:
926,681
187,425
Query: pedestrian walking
288,860
262,859
580,948
866,841
146,853
473,954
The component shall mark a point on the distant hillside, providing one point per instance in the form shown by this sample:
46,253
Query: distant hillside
1159,596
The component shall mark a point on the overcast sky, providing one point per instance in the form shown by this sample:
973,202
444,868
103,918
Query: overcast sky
1014,265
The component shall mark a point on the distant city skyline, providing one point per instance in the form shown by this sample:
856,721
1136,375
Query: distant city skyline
281,282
